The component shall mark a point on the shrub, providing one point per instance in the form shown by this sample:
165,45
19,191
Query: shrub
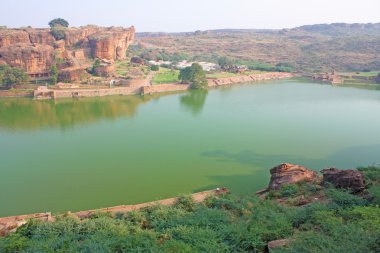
155,67
344,199
289,190
185,202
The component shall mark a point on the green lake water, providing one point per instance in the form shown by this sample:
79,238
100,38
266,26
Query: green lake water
99,152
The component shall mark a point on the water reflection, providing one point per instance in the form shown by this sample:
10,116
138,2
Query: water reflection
28,114
194,101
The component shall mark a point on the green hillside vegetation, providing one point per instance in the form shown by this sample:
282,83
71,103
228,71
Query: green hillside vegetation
342,222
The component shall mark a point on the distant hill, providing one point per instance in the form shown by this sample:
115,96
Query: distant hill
342,29
310,48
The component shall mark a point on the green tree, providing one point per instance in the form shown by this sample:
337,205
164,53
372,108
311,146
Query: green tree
58,33
95,65
10,76
58,22
155,68
54,74
225,62
194,75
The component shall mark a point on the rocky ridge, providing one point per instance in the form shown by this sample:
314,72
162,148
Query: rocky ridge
35,50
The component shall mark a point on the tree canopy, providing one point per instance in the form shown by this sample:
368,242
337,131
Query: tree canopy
194,75
58,22
225,62
10,76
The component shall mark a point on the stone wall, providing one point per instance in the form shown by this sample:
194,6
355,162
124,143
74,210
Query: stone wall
164,88
248,78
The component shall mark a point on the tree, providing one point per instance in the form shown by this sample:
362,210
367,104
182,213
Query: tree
54,74
58,22
10,76
155,67
96,64
225,62
194,75
58,33
378,79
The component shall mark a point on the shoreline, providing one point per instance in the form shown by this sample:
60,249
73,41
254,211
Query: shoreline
11,223
43,92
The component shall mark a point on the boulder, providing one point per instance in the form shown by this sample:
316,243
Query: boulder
287,173
346,179
272,245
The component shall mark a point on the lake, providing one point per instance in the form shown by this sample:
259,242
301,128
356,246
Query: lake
98,152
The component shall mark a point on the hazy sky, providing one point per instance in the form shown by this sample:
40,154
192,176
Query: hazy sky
190,15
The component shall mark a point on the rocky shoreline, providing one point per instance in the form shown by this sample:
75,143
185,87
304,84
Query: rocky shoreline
145,88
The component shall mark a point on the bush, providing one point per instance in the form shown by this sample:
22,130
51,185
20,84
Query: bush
185,202
344,199
155,67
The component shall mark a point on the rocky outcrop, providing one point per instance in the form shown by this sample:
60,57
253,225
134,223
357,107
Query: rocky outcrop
73,75
346,179
287,173
35,50
10,37
111,44
33,58
105,70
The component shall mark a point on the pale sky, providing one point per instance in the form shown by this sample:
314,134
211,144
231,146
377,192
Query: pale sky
190,15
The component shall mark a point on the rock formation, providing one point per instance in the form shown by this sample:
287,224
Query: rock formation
35,50
287,173
347,179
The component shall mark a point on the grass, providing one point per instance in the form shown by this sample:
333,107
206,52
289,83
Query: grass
166,75
368,74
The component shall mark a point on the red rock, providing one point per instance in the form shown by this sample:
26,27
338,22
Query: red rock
31,58
34,50
105,70
287,173
73,75
347,179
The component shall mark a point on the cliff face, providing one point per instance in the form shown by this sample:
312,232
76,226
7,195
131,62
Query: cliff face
35,50
112,44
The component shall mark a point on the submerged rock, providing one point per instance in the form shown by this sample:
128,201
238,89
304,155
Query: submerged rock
347,179
287,173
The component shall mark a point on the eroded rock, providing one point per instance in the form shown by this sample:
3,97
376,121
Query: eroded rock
287,173
35,50
346,179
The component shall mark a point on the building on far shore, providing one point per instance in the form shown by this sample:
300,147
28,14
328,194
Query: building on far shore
207,66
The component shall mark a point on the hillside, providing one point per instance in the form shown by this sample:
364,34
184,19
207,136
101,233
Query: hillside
312,48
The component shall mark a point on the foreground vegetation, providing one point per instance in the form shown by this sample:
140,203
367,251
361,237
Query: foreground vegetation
342,222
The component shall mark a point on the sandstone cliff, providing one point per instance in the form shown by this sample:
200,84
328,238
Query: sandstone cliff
35,50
